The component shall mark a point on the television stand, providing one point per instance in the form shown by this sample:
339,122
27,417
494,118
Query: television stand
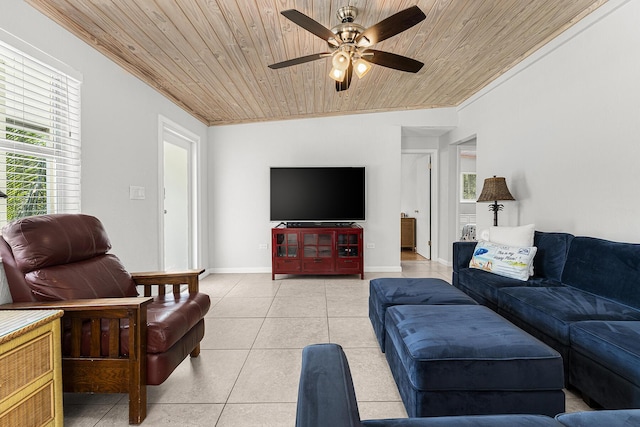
320,249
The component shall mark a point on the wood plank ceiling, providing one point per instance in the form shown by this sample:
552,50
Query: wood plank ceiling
211,56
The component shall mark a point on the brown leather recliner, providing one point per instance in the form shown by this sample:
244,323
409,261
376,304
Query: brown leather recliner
113,340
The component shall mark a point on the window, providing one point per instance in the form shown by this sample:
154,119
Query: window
39,137
468,187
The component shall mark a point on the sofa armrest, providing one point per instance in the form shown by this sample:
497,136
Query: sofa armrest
326,396
173,278
462,254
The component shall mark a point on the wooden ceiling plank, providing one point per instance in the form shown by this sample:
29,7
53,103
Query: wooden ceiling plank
213,49
269,38
480,56
470,21
239,16
161,33
190,54
94,30
532,33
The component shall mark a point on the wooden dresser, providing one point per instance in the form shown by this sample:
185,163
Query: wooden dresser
30,368
408,233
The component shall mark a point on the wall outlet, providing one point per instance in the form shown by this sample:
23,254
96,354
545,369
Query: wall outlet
263,246
371,245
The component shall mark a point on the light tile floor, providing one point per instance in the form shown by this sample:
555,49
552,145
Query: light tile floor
248,369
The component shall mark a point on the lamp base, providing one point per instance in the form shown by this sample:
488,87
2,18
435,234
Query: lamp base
495,207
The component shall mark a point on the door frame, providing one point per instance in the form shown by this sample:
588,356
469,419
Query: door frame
166,126
434,195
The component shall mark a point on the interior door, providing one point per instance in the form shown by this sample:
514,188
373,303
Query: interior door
423,211
177,203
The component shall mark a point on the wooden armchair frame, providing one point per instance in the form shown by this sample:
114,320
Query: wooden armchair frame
114,373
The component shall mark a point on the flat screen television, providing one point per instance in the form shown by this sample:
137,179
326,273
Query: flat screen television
318,194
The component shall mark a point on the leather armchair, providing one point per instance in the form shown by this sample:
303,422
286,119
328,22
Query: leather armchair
114,341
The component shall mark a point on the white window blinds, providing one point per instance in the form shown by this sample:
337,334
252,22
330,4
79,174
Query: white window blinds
39,138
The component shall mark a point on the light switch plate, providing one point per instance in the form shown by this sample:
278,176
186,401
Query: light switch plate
136,193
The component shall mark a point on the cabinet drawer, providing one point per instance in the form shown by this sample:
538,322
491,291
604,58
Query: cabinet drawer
348,265
319,265
286,265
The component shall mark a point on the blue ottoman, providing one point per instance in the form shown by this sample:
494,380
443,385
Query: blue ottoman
467,360
384,293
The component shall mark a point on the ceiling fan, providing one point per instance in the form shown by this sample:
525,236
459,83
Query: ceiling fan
349,43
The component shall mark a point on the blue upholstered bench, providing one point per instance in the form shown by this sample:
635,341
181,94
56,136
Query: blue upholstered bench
467,360
387,292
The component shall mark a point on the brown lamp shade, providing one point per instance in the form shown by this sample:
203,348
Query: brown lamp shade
495,189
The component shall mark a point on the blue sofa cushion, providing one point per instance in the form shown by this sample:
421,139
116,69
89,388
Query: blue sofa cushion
469,347
387,292
551,255
602,267
619,418
552,310
614,344
486,285
469,421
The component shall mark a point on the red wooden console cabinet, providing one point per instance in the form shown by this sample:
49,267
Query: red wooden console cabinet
317,250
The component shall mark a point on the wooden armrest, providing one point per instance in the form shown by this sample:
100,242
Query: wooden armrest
161,278
98,304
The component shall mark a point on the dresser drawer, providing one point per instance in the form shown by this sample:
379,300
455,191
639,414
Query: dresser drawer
25,364
35,409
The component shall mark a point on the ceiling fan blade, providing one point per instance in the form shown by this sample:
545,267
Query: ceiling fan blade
300,60
344,85
314,27
391,60
391,26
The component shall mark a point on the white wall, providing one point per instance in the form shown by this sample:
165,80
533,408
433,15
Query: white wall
119,136
239,161
564,130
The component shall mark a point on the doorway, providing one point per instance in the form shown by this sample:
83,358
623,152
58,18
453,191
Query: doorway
417,199
466,190
177,197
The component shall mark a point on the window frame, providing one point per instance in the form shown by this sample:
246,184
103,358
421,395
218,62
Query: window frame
463,199
40,99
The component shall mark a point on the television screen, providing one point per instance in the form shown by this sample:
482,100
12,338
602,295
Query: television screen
317,194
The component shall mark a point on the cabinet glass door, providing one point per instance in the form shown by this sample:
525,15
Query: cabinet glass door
317,245
348,245
287,245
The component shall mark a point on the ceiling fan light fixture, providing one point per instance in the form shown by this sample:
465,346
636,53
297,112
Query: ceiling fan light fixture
337,75
341,60
361,67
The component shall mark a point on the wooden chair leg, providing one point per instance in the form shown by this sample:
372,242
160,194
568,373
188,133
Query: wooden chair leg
196,351
138,404
138,367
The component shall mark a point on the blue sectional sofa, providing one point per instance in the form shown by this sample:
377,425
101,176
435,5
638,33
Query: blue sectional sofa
326,397
583,300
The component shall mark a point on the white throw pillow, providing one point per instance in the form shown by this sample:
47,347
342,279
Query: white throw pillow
503,260
521,237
